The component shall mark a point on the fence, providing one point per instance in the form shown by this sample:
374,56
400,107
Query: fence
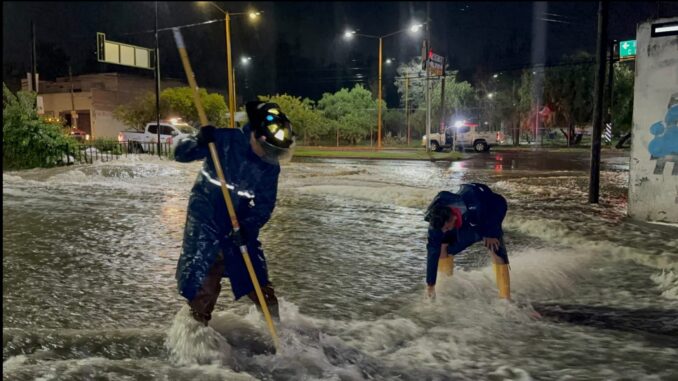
89,152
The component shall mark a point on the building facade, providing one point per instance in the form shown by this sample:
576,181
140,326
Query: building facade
94,97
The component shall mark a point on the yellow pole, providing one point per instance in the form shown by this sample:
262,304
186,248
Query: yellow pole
235,97
407,114
224,190
379,100
231,92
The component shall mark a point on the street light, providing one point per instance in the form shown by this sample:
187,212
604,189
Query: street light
349,34
490,95
253,15
245,60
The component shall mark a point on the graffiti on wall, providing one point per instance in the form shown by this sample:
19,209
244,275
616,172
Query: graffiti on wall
664,147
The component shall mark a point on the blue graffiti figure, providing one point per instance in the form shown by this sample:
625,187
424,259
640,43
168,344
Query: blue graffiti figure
666,135
664,146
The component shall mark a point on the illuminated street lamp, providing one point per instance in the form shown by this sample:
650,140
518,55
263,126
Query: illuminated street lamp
253,15
349,34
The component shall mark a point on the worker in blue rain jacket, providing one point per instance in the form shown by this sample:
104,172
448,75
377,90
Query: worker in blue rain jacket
250,160
457,221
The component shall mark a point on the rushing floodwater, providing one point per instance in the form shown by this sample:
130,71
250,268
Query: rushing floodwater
89,255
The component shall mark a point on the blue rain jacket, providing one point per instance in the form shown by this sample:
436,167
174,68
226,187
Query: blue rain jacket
253,186
482,214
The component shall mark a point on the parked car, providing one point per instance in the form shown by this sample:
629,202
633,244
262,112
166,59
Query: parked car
139,141
79,135
463,135
240,118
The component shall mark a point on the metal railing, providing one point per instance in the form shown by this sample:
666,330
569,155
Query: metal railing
91,151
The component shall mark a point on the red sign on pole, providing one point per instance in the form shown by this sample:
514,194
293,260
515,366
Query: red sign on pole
435,63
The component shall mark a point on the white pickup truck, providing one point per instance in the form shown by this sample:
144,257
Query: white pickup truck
464,135
170,131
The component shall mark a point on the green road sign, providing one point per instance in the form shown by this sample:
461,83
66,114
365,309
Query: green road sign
627,48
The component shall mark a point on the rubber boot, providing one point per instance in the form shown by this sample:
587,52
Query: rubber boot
446,265
501,273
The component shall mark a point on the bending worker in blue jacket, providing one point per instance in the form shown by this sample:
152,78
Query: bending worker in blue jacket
457,221
250,160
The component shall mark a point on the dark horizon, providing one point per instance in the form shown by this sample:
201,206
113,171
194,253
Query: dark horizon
297,47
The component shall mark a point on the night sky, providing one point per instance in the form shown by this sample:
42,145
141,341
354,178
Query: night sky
297,47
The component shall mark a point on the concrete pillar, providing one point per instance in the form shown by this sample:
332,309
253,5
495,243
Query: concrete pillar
653,179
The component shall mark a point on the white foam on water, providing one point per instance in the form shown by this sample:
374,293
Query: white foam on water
189,342
667,283
101,368
510,373
560,233
13,363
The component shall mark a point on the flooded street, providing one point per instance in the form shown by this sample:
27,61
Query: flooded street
89,255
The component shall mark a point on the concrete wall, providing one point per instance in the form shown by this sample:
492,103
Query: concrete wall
653,179
56,103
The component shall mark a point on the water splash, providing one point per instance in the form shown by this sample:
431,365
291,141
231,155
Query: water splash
667,283
189,342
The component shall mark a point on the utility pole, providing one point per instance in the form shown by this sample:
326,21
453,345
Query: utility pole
442,102
157,77
380,95
516,121
428,77
407,109
230,71
610,82
235,97
594,180
74,113
34,66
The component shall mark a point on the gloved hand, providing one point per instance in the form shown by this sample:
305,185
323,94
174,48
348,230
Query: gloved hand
206,135
238,238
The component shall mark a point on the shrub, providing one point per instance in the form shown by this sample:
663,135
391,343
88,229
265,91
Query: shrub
29,141
107,145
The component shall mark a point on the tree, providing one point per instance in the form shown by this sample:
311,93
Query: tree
395,123
29,141
418,122
416,86
460,98
179,101
174,102
138,112
307,123
568,92
503,107
354,110
622,102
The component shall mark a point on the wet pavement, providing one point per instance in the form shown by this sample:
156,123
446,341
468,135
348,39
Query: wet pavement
89,254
